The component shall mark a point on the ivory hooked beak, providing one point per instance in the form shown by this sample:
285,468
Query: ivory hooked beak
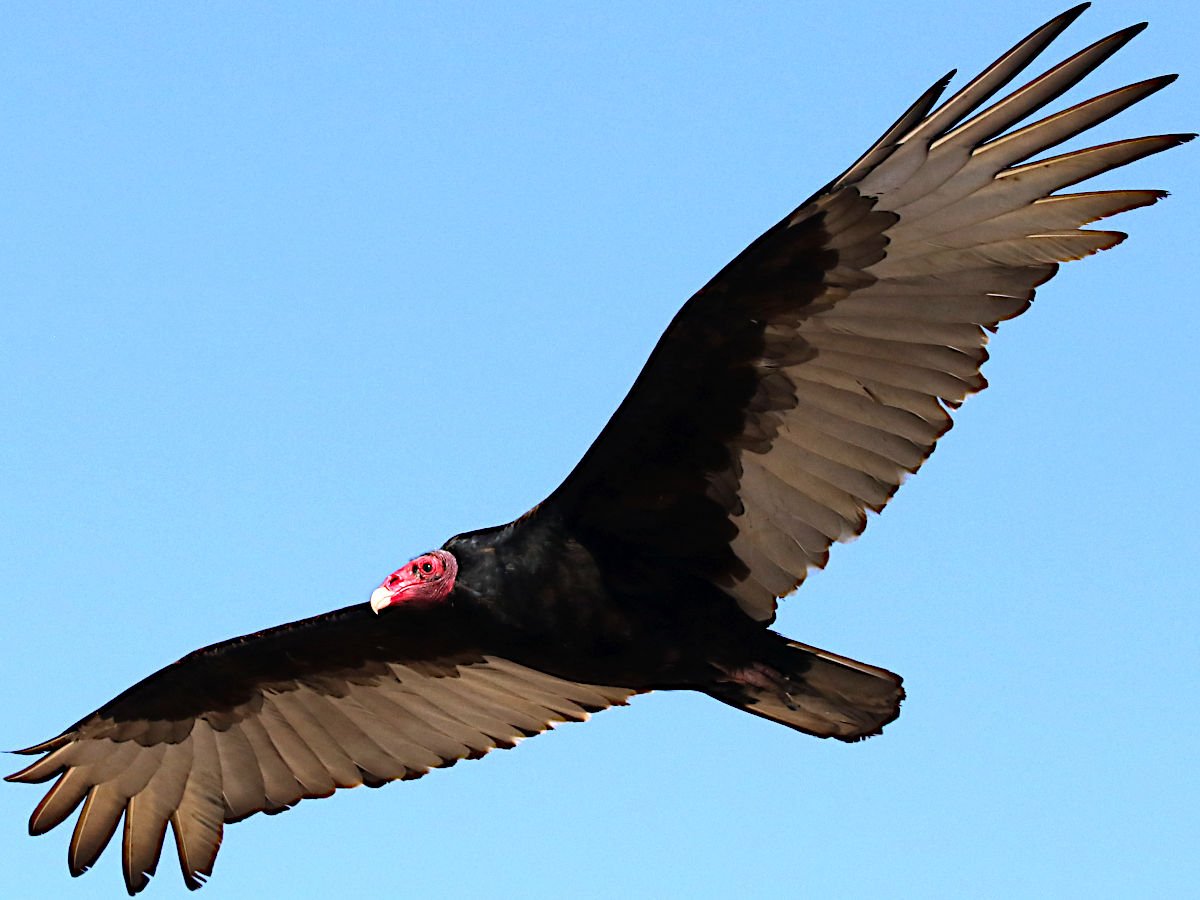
381,597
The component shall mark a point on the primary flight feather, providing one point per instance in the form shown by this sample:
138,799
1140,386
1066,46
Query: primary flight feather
788,397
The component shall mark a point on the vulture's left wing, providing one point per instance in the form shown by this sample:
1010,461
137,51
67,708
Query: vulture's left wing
800,387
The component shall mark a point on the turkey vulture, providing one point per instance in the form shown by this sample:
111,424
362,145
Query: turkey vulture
789,396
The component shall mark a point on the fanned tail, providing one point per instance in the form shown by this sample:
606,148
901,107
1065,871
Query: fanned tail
814,691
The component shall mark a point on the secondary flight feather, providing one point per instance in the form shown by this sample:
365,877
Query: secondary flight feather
790,396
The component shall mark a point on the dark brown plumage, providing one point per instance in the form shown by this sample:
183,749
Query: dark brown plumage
787,398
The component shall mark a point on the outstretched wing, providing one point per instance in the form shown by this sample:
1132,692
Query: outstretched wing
800,387
258,723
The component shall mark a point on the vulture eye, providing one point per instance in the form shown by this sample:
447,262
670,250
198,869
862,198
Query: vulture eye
427,567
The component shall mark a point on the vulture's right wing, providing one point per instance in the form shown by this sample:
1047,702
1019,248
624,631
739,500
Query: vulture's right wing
260,722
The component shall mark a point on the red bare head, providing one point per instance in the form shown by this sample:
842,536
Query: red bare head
426,579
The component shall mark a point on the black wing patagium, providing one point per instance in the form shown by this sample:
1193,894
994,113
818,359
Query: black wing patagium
788,397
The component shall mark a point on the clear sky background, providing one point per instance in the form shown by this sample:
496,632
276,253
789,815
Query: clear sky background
293,292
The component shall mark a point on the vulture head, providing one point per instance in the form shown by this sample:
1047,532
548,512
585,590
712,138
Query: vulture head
426,579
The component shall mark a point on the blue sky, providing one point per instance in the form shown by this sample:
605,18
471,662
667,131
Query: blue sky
294,292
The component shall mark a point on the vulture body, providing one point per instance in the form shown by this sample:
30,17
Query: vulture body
788,397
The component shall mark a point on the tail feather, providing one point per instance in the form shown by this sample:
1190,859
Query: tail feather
814,691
